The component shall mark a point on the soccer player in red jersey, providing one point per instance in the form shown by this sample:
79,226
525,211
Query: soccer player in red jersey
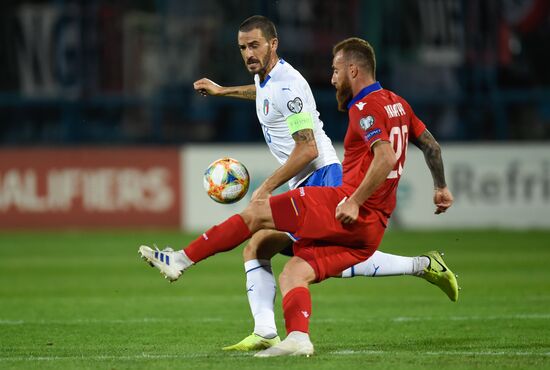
337,227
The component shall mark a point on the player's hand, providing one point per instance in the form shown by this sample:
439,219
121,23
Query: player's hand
347,211
443,199
207,87
260,193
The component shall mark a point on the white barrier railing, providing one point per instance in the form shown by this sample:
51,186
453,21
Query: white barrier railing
502,186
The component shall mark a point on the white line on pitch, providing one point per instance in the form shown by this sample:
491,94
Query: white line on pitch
153,320
210,355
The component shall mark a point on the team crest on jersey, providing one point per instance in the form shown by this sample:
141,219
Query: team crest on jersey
266,107
360,105
366,122
295,106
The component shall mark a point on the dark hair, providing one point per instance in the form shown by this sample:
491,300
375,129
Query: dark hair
263,23
358,50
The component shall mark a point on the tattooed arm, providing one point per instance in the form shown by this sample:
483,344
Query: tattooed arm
305,150
443,198
207,87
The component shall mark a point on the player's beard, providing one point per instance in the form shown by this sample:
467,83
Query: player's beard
344,95
264,64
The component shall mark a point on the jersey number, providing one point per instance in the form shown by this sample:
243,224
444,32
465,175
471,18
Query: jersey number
267,135
399,139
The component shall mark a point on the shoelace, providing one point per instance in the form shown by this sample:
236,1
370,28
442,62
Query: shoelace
162,254
166,249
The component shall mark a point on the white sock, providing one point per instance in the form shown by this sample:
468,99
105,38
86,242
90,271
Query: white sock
261,289
183,260
384,264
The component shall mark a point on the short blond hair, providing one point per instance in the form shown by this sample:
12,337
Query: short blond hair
358,51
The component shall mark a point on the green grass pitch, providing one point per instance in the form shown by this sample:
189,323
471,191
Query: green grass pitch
80,300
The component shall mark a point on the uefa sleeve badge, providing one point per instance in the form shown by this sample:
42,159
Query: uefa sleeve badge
366,122
295,106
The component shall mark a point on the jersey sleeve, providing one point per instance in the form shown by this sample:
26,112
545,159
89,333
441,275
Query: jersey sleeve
416,127
289,98
369,123
290,101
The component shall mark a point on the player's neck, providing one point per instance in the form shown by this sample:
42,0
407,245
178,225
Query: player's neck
359,84
272,63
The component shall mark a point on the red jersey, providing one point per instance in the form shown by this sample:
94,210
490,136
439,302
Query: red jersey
377,114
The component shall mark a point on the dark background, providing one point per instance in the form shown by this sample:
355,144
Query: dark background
121,72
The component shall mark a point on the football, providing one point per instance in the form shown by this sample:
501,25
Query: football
226,180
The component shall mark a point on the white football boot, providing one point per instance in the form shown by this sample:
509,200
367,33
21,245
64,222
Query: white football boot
295,344
170,263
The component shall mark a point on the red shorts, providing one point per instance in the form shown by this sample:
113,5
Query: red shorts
328,245
328,260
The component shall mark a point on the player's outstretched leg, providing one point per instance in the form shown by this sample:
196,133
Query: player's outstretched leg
385,264
170,263
438,273
220,238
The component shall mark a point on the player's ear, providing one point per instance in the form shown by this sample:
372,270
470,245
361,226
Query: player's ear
274,43
353,70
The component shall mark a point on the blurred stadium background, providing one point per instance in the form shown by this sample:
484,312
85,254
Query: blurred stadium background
76,76
100,128
120,72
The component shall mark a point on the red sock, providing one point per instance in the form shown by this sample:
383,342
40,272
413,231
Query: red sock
297,309
220,238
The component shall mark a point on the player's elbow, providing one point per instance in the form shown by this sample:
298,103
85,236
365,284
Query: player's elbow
384,154
313,152
431,149
434,150
309,151
390,161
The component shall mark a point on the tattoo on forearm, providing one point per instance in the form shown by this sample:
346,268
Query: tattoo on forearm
432,155
304,136
248,94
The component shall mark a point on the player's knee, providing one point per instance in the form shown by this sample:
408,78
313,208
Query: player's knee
295,275
256,215
250,218
285,281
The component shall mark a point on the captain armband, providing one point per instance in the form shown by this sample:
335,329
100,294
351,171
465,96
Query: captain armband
299,121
